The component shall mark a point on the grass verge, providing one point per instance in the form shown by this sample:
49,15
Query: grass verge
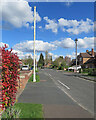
37,78
29,110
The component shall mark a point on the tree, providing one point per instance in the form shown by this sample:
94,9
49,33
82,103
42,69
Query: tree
28,60
55,63
59,63
41,60
63,64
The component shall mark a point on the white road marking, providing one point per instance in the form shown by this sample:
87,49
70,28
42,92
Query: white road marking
49,74
74,99
62,89
64,85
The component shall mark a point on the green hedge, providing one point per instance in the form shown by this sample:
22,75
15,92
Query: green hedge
85,70
90,71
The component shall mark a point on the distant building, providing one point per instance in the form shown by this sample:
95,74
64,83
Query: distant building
48,59
87,59
91,63
67,60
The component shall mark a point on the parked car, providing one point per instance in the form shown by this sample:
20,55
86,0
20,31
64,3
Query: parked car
73,68
25,67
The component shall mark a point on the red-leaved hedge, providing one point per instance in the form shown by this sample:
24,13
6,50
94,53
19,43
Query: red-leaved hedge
9,75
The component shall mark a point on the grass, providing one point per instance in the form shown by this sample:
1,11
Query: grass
29,110
37,78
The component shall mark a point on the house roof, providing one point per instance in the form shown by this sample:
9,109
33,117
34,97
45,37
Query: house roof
85,55
91,60
90,53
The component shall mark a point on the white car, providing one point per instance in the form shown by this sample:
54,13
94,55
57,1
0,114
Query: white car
25,67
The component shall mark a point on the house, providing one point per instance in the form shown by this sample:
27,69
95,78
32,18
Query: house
67,60
83,57
91,63
73,62
87,60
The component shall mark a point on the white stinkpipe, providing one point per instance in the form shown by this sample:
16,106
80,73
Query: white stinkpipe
34,76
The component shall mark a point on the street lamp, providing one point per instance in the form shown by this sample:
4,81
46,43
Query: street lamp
36,60
34,76
76,52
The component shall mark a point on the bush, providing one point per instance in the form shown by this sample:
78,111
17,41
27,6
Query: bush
11,113
92,71
10,74
85,70
60,68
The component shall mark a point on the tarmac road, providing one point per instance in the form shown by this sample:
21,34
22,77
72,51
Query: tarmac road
62,95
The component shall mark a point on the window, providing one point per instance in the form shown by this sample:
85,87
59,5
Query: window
86,66
80,58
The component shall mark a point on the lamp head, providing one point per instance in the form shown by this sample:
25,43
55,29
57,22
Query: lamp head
76,40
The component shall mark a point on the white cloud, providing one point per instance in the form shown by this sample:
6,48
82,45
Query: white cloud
39,46
69,56
73,55
17,13
70,26
27,55
69,3
65,43
53,56
68,23
20,54
76,27
86,42
51,25
3,44
50,54
40,27
32,27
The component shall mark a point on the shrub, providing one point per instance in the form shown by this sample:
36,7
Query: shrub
85,70
10,74
11,113
92,71
60,68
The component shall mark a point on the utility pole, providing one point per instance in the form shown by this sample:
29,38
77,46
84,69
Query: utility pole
36,60
76,53
34,76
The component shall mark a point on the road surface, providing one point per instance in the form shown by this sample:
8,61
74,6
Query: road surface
62,94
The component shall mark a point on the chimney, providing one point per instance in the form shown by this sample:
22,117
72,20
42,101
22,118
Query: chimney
92,52
87,51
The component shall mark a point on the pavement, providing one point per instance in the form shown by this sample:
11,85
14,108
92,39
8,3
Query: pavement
84,76
62,96
24,76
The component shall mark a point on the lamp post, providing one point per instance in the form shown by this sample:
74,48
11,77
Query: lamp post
36,60
34,76
76,53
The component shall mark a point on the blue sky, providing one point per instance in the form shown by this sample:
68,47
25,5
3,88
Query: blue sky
58,25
